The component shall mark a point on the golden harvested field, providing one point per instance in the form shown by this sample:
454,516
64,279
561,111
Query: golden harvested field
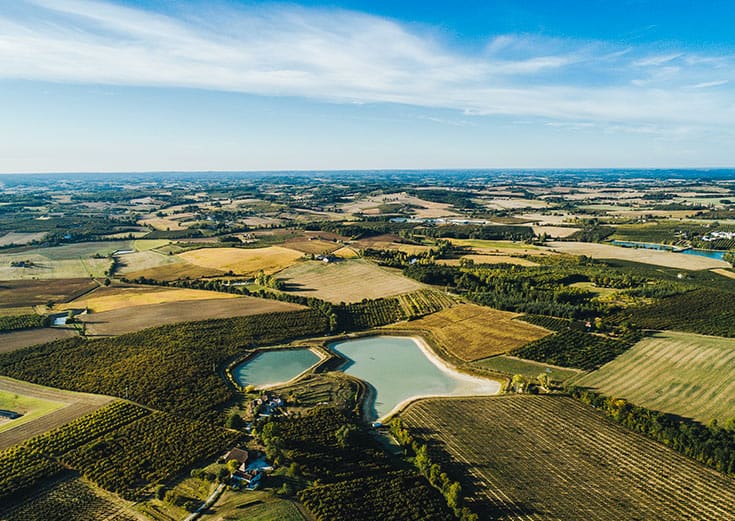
117,297
14,340
483,247
243,261
389,242
345,281
18,293
314,246
345,253
129,319
162,223
554,231
546,458
174,271
489,259
470,332
658,258
74,405
682,373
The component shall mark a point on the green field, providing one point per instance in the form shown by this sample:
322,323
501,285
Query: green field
479,243
31,408
682,373
253,506
511,365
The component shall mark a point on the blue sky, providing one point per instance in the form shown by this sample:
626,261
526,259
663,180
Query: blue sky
234,85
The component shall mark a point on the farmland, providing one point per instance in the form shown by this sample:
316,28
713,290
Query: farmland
511,365
123,448
345,281
20,339
72,405
170,368
43,268
144,260
243,261
119,297
654,257
705,311
576,349
20,238
30,407
488,259
470,332
71,500
489,246
681,373
313,246
516,453
456,258
253,506
167,270
129,319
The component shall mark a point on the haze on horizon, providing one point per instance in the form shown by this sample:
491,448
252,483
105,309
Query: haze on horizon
140,85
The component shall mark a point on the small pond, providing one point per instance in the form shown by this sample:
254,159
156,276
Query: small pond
273,366
398,369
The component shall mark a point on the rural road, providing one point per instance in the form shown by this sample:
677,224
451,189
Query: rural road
208,503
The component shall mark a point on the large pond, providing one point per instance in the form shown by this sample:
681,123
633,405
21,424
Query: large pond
399,369
712,254
273,367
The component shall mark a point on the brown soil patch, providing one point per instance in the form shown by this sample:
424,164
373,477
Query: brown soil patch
19,293
127,320
30,337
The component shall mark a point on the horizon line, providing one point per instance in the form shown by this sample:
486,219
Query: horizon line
367,170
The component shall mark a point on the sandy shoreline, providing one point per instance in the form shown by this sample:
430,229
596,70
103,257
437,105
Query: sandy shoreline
472,385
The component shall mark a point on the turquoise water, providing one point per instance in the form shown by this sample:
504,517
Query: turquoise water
646,245
712,254
398,369
273,366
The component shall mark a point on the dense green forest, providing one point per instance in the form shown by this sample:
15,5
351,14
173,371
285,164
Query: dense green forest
705,311
345,472
14,322
573,348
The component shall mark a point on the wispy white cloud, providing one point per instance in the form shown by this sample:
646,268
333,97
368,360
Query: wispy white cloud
708,84
348,57
655,61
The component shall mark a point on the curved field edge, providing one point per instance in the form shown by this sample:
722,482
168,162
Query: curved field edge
551,457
